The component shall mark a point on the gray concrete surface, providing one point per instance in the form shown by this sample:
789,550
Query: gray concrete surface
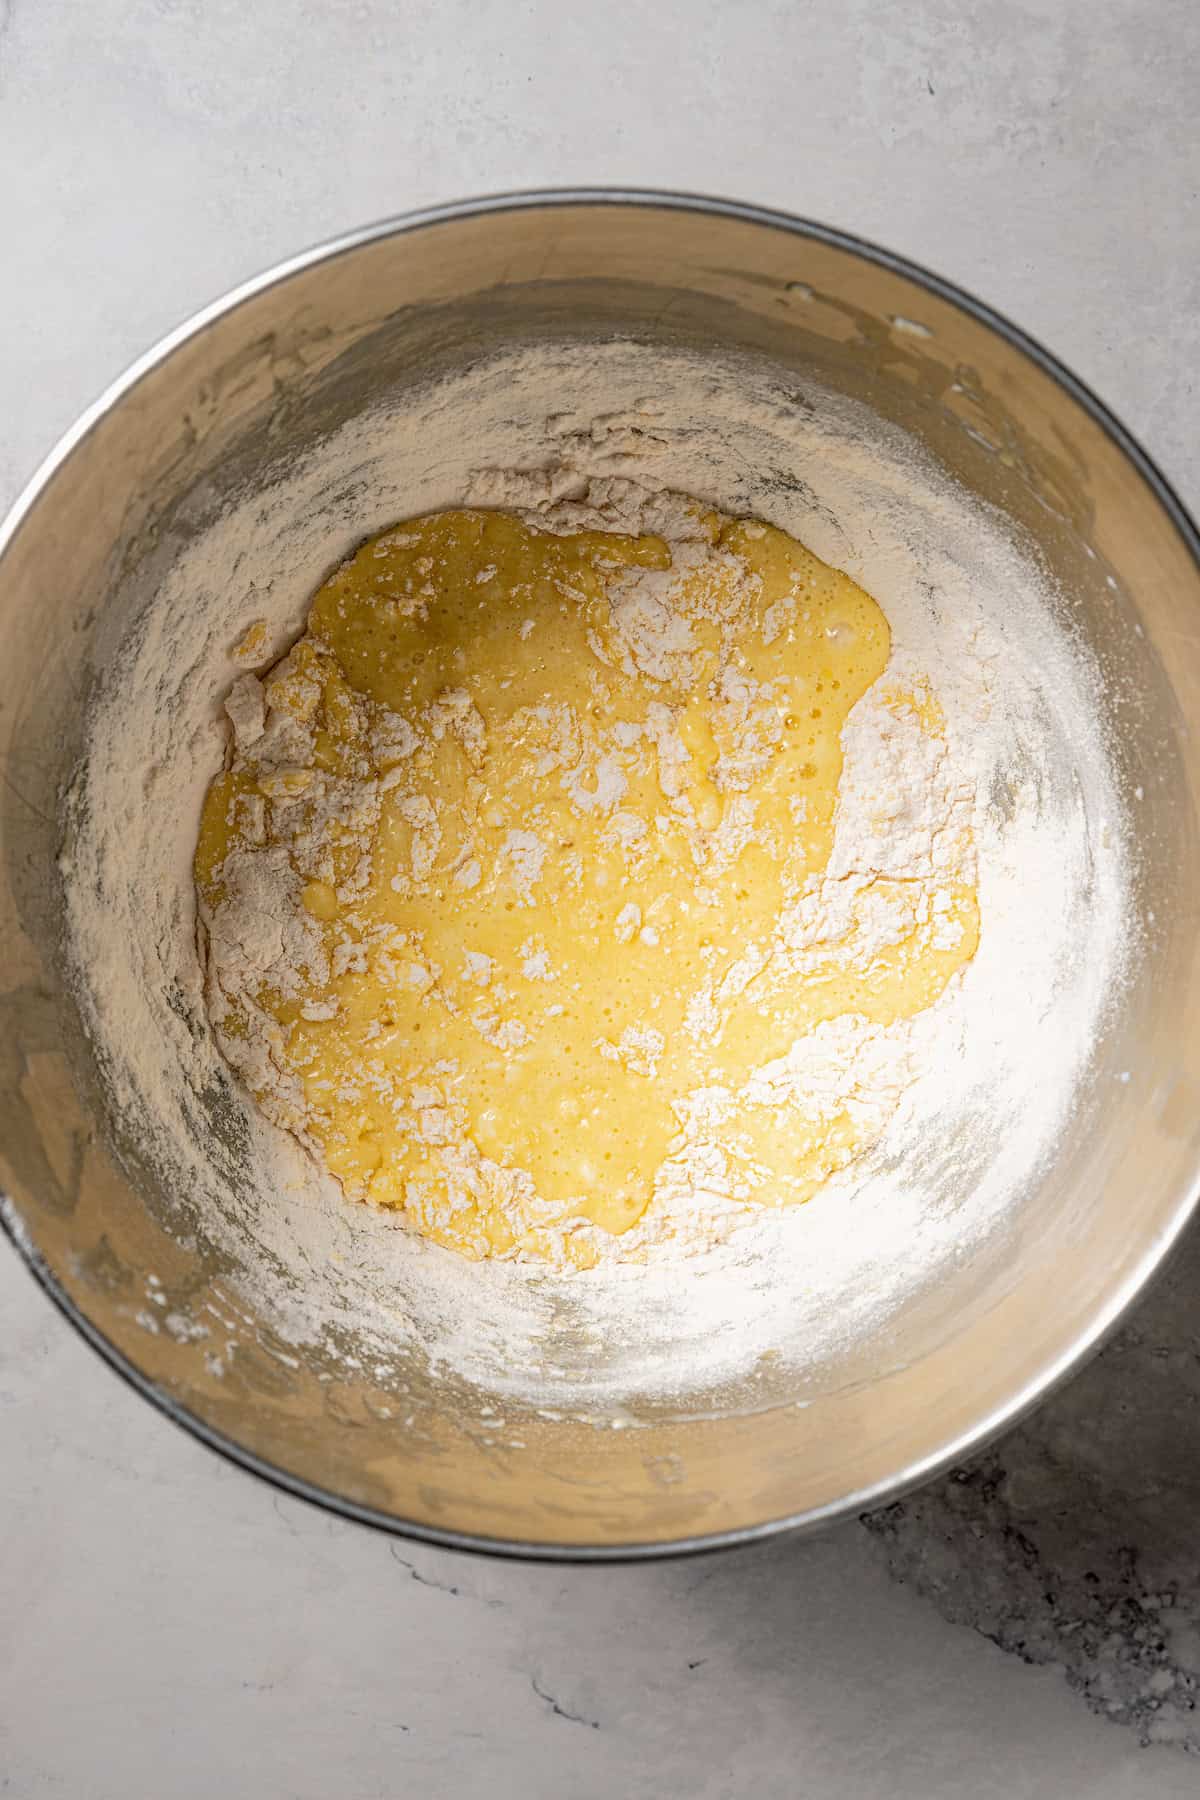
170,1627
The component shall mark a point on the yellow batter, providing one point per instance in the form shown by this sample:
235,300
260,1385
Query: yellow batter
545,801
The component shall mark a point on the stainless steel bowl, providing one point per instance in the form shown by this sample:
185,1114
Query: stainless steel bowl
271,371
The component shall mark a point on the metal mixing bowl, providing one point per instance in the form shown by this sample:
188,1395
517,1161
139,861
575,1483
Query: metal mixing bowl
272,370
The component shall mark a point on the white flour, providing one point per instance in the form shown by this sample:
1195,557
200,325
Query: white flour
904,838
970,1095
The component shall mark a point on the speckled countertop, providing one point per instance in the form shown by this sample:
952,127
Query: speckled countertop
1076,1541
172,1627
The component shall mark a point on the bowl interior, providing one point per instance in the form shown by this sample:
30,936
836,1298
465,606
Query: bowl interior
362,385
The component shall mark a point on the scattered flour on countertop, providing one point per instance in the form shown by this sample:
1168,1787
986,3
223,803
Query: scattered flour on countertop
972,1093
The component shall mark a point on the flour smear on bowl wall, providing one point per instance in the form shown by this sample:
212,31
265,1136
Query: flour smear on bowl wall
980,1084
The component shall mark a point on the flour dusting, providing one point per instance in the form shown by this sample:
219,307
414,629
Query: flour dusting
963,1102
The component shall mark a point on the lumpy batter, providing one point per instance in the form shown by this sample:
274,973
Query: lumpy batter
516,836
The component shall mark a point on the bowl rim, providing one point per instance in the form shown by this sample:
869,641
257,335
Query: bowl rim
1001,1418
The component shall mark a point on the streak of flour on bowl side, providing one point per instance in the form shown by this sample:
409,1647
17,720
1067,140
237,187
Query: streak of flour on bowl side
971,1094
